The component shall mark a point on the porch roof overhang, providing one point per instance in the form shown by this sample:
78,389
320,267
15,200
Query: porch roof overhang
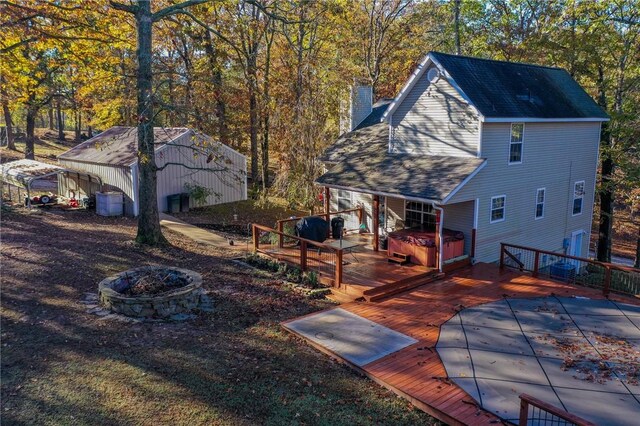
424,178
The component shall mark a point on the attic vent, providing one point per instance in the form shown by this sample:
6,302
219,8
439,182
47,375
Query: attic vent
433,74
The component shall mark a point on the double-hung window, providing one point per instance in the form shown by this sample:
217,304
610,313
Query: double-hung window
498,208
419,215
578,197
516,142
540,196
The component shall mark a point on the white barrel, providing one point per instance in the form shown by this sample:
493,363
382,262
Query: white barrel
110,203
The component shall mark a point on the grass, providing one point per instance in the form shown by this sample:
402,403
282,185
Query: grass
249,211
63,365
47,147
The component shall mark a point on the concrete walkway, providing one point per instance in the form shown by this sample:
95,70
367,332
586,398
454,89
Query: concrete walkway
196,234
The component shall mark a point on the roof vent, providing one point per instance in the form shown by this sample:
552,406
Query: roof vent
433,74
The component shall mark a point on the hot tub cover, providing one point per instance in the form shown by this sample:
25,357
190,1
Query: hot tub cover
423,238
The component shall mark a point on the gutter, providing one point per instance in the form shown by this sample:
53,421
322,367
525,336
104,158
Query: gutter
383,194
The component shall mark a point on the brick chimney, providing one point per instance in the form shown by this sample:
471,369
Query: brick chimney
359,106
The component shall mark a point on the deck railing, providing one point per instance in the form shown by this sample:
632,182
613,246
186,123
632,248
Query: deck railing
534,412
577,270
303,253
358,212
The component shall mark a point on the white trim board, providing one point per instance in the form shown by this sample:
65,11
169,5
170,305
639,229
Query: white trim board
464,182
540,120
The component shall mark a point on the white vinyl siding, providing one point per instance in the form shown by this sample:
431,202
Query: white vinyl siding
578,198
345,201
395,214
558,154
516,143
459,217
540,195
341,198
433,119
498,208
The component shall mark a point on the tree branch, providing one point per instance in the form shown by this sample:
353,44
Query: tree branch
176,8
124,7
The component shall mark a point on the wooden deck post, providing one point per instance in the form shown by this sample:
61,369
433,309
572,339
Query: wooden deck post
472,253
303,255
501,255
338,277
280,237
376,220
327,208
536,263
256,237
327,201
524,412
438,225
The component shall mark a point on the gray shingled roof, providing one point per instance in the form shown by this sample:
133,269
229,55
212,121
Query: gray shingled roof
367,141
377,112
515,90
369,137
421,176
118,145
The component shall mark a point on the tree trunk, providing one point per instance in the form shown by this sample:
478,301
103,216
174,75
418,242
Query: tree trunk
605,224
149,231
9,123
253,118
636,264
89,132
78,127
216,79
29,145
456,23
266,116
50,113
60,121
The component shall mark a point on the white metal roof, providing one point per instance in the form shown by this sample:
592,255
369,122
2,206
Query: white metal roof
23,172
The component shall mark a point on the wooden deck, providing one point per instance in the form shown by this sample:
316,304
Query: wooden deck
363,271
416,372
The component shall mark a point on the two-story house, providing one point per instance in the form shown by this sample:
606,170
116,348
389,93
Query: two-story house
484,150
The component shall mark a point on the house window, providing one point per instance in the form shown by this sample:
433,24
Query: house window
540,203
515,145
578,196
498,205
419,215
344,200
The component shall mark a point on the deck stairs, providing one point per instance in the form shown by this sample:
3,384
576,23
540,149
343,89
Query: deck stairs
349,292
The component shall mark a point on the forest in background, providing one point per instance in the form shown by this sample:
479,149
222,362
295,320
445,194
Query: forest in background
267,77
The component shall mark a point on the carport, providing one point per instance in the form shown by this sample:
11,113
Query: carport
21,174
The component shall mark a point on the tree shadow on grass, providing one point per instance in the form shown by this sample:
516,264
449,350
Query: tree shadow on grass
235,365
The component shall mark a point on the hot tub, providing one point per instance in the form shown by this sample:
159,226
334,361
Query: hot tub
421,245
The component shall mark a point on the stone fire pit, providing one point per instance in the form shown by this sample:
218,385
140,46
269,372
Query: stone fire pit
154,292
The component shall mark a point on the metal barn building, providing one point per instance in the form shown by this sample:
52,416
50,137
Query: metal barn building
184,157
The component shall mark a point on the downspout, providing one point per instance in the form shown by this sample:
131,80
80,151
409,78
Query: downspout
440,243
